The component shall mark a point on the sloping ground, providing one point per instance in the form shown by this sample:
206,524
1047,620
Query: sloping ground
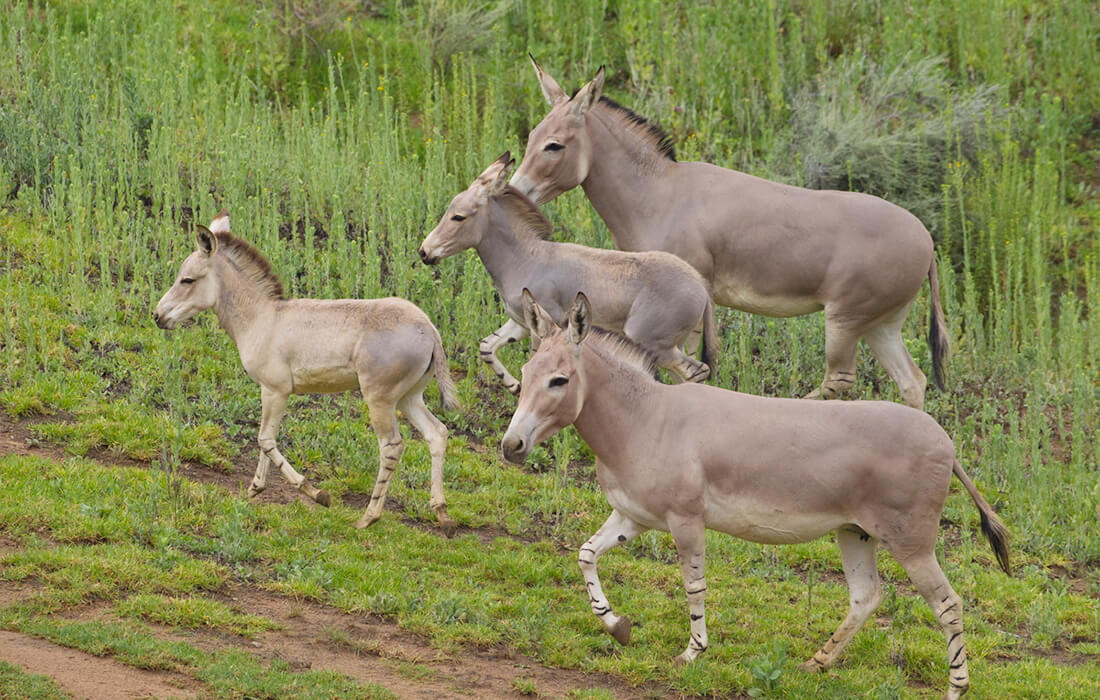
309,636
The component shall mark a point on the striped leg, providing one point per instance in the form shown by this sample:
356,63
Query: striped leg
857,556
690,539
928,577
615,531
510,332
274,408
840,361
390,446
435,433
684,366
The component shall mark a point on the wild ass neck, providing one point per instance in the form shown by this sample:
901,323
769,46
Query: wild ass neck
242,304
617,402
625,178
510,257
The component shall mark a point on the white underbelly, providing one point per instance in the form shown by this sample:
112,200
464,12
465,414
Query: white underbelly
768,525
745,299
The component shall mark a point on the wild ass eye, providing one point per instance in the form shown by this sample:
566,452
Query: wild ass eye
458,217
558,381
187,280
553,146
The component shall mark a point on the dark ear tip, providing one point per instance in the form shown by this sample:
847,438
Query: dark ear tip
223,212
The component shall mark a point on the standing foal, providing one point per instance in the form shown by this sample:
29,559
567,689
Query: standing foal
386,348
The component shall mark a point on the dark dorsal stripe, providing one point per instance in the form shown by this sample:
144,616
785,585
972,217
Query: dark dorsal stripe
656,135
252,262
534,221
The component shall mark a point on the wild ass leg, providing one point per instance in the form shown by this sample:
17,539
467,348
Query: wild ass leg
690,538
616,530
927,576
685,367
274,408
435,433
857,555
390,446
840,361
889,348
510,332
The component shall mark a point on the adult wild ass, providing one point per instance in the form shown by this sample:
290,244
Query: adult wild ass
386,348
654,298
776,471
763,247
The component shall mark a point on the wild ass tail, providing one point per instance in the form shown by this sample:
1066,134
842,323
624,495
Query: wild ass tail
938,339
710,348
443,376
994,530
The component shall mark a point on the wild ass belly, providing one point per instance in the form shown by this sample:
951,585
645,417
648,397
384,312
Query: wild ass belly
766,523
324,380
739,296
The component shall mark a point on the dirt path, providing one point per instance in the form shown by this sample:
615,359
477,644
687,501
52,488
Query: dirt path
312,636
87,676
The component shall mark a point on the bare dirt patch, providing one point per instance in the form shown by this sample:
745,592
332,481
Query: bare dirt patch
87,676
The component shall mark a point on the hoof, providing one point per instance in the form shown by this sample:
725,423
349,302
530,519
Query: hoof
514,389
815,394
253,491
621,631
448,526
813,666
365,521
683,659
323,498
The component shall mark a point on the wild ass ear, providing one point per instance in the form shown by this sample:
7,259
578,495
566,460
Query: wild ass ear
490,174
220,224
580,319
536,319
206,240
550,88
498,184
587,96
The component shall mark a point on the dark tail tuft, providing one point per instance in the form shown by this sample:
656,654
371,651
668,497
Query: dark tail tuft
992,527
709,349
938,339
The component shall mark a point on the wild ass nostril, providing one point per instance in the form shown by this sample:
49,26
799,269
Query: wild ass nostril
156,317
423,254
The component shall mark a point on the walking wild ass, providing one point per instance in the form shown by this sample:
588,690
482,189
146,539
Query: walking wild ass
763,247
386,348
654,298
689,457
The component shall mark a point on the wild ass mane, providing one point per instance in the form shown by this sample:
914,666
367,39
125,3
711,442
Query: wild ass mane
534,221
624,349
247,259
653,134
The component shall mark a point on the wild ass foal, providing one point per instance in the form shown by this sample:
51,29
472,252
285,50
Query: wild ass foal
654,298
689,457
386,348
763,247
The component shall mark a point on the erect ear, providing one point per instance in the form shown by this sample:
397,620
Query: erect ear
498,184
587,96
535,318
580,319
206,240
550,88
490,174
220,224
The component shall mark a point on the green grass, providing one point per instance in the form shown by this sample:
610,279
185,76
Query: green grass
14,683
336,143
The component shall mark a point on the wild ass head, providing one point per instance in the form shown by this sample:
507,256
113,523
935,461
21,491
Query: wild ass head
559,152
552,387
466,219
195,289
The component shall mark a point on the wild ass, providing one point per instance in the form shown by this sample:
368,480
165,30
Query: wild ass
386,348
686,458
762,247
655,298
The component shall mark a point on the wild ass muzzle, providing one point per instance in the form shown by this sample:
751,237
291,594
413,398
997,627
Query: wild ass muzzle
653,298
762,247
689,457
386,348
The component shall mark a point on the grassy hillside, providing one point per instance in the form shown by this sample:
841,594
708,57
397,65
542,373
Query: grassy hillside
336,132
